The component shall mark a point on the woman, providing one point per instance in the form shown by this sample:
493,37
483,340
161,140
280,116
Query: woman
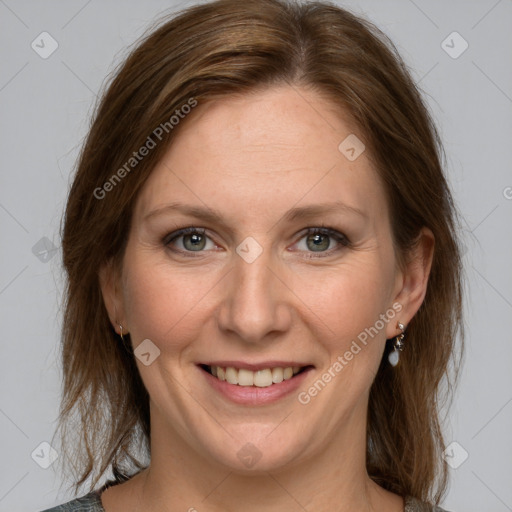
263,272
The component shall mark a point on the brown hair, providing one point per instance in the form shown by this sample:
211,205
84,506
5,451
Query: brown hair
217,50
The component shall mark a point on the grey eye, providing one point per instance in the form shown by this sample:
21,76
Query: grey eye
318,242
194,242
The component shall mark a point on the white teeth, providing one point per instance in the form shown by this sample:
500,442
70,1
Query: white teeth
263,378
260,378
245,377
277,375
231,375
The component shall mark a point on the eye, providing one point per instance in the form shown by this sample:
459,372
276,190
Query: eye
322,240
189,240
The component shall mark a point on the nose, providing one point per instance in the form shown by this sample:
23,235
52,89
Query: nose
255,305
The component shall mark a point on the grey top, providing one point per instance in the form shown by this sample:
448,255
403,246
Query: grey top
92,503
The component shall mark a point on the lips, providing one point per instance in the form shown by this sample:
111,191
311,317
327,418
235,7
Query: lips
253,384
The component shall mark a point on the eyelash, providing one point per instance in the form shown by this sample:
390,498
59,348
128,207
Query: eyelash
321,230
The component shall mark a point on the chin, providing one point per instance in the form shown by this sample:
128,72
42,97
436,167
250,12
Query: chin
256,455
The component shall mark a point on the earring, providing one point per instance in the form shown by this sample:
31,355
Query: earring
126,345
398,346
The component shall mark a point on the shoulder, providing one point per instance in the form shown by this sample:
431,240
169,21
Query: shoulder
414,505
89,503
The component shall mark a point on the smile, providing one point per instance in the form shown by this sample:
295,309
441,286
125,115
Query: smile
262,378
254,384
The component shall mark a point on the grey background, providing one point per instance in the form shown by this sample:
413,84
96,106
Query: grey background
45,108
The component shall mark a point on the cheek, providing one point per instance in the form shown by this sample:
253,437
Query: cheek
160,302
349,298
350,302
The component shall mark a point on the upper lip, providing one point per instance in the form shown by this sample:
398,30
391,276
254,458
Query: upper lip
254,366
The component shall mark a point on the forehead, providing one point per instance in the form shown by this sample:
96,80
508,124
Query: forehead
282,141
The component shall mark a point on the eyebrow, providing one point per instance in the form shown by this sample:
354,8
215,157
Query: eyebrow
294,214
316,210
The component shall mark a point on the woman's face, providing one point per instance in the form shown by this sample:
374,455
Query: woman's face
287,262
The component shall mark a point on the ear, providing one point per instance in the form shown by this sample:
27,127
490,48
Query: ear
109,279
412,280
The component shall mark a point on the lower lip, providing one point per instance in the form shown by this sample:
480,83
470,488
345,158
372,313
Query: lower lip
253,395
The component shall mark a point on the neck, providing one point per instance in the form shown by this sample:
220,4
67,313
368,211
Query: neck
181,478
